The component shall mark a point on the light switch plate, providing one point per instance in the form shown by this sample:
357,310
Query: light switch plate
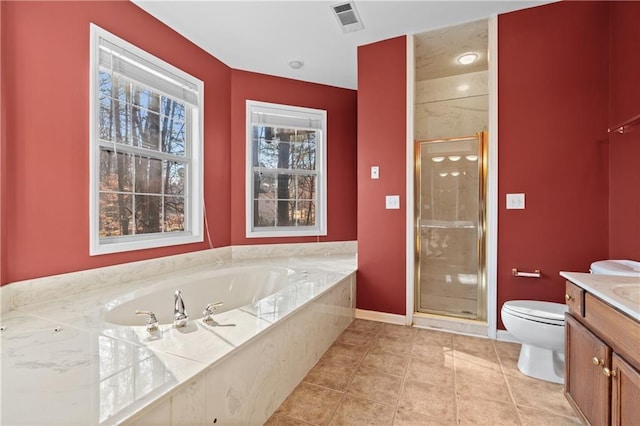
392,202
515,201
375,172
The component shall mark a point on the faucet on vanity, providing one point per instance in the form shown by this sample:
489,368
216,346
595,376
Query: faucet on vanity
180,316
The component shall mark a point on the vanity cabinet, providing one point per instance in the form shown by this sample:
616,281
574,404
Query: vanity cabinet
602,360
625,393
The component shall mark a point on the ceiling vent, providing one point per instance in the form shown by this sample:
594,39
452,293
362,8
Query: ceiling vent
347,17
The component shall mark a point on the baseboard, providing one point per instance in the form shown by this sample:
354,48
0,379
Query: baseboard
451,325
381,317
505,336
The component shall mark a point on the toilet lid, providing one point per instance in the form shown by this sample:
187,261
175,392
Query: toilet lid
537,310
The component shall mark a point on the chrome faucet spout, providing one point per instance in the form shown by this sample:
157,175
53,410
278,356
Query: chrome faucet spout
180,316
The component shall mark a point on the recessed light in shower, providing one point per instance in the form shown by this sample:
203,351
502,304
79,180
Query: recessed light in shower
455,173
471,157
443,174
467,58
437,159
454,157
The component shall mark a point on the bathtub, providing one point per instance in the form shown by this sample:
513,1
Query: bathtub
232,287
90,360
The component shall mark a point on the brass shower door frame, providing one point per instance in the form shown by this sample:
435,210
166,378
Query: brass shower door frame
482,138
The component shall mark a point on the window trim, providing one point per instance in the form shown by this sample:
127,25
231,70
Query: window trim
194,198
321,172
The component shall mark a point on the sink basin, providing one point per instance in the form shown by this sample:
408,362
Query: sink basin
630,292
623,268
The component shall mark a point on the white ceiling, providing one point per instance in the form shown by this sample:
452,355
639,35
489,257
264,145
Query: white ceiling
263,36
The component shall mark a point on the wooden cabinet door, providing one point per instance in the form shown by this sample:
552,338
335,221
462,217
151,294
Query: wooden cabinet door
585,385
626,393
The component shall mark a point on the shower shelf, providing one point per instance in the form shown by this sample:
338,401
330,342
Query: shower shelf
624,126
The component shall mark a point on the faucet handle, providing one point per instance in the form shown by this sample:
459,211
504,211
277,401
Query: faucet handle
152,321
208,311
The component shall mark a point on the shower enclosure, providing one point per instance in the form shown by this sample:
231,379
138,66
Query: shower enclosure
450,220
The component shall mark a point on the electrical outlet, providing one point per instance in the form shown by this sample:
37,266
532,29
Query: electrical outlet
392,202
515,201
375,172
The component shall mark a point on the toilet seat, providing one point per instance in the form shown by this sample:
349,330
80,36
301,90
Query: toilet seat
534,310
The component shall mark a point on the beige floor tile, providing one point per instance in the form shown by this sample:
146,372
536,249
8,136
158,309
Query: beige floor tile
377,373
376,386
356,338
475,381
433,401
277,420
347,355
356,411
392,345
423,348
366,326
533,417
410,418
330,374
473,360
435,354
474,348
310,403
534,393
507,350
432,370
399,331
385,362
477,411
508,354
434,337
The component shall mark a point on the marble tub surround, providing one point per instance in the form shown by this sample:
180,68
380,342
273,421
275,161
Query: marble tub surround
22,293
62,364
307,249
38,290
605,287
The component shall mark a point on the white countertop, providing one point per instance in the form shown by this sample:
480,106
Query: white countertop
620,292
63,365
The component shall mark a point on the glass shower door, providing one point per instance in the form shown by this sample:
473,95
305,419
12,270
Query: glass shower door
450,175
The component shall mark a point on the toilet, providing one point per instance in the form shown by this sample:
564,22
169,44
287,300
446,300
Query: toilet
539,326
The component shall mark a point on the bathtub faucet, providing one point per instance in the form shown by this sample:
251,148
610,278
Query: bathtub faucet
180,316
208,311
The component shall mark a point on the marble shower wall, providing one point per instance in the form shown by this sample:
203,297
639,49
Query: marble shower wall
452,106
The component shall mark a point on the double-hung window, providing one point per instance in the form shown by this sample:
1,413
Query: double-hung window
145,149
286,171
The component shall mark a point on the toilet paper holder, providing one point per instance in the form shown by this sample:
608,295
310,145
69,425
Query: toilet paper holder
535,274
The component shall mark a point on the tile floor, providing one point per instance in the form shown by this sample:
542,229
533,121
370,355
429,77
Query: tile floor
383,374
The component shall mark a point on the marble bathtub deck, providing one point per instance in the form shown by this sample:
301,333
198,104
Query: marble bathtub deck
62,364
382,374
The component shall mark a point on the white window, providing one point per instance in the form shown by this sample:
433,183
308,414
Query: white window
286,171
145,149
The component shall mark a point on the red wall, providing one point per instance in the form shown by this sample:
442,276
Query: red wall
381,142
624,149
340,105
45,55
552,100
3,147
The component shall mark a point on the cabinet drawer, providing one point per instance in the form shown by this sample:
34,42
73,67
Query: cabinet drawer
618,330
574,297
